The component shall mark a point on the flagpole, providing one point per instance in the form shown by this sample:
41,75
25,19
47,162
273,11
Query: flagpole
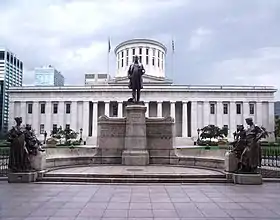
172,61
108,56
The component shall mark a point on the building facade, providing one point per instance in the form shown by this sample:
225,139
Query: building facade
11,70
192,107
48,76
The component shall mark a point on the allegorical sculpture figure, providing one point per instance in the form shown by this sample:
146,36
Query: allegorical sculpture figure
135,72
19,155
23,144
247,147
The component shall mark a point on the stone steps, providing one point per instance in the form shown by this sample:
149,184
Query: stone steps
134,178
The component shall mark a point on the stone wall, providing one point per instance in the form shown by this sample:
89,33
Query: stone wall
111,139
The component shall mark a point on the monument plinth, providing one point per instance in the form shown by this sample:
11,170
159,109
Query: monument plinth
135,148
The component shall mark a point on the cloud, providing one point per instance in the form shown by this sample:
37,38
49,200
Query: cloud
217,41
198,38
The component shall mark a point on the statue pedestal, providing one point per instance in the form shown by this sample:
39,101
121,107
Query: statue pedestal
24,177
135,152
231,162
38,162
247,179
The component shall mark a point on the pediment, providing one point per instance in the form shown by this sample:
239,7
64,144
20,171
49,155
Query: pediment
146,79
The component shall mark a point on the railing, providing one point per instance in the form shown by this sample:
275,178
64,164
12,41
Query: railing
4,160
270,161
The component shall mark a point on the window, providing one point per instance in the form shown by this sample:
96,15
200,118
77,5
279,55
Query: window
252,108
225,106
126,52
67,126
42,128
126,61
238,108
122,54
54,128
154,52
212,108
140,50
140,59
158,63
133,51
43,108
55,107
115,110
153,61
122,62
158,54
29,108
147,60
147,51
68,108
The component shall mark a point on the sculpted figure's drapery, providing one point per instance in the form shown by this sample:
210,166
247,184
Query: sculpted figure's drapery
135,72
247,146
23,144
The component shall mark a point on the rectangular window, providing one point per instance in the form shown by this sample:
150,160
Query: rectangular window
29,108
122,54
147,51
43,108
54,128
238,108
126,52
133,51
153,61
67,126
126,61
252,108
68,108
154,52
42,128
225,107
212,108
122,62
158,63
140,50
140,59
55,108
158,54
147,60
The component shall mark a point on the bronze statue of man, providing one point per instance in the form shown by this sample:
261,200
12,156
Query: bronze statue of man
135,72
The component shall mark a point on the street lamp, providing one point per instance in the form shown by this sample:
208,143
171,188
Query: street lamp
81,132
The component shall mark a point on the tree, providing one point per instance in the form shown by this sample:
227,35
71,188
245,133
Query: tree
277,127
212,131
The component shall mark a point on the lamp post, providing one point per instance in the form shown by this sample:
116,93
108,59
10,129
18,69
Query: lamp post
81,133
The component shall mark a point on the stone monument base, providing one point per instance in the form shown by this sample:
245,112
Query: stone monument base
247,178
135,157
26,177
38,162
231,162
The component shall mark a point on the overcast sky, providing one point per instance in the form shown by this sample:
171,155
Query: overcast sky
216,41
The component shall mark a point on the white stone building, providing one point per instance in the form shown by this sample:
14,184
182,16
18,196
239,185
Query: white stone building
192,106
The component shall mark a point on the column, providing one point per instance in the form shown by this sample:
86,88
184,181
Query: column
48,120
74,116
107,108
35,117
11,121
85,119
120,109
147,109
172,110
271,120
159,109
245,111
185,119
23,112
61,113
219,114
259,120
194,119
94,117
232,118
206,113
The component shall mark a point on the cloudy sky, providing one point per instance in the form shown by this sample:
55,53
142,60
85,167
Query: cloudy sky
216,41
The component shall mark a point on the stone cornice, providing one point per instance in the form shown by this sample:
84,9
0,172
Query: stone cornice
148,88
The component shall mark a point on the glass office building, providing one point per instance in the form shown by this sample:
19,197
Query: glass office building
11,70
48,76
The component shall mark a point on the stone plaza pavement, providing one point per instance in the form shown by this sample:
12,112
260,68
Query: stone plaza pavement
139,202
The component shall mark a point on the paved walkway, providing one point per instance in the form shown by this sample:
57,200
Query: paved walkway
139,202
135,170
